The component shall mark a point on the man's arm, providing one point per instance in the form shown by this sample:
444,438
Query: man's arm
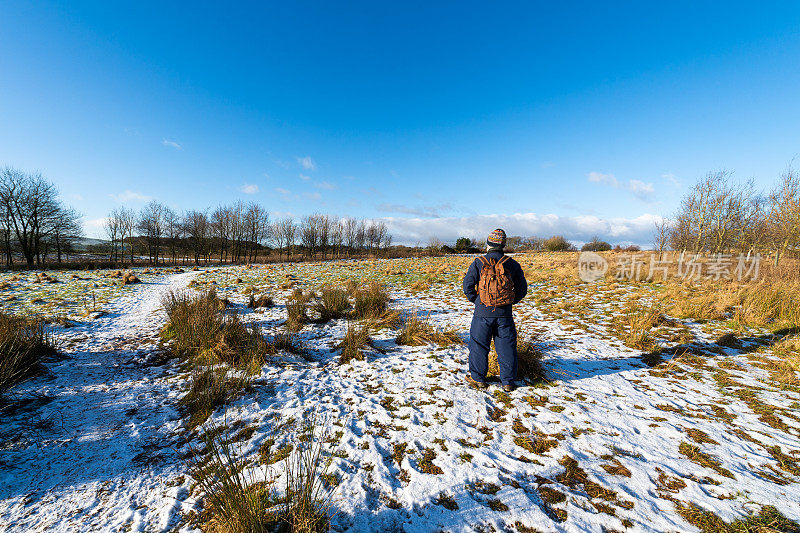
470,280
520,285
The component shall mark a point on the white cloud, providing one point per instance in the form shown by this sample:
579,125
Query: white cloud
283,191
304,177
249,188
672,178
430,211
548,164
638,230
312,196
328,186
130,196
307,163
638,188
172,144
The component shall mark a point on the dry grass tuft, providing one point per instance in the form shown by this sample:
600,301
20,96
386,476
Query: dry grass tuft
209,389
634,324
333,304
24,345
698,456
297,310
356,341
529,362
257,302
236,502
193,323
418,331
371,302
768,520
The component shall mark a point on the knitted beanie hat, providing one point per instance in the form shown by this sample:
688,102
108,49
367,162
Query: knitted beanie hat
496,239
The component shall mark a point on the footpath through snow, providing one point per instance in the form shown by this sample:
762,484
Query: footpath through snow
93,450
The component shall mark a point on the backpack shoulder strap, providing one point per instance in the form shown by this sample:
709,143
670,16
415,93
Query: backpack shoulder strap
502,260
483,260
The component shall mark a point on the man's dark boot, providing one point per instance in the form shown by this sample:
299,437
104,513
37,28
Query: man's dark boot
476,384
509,387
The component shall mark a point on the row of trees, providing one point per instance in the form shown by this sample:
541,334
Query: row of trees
237,233
719,215
34,222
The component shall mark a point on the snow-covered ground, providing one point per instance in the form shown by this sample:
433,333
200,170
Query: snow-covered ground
94,449
414,448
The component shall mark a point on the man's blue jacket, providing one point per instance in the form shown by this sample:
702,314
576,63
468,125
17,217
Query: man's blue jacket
474,274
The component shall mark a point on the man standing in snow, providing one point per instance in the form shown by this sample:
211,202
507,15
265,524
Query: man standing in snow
494,282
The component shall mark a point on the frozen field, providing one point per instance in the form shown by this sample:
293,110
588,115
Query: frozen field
615,441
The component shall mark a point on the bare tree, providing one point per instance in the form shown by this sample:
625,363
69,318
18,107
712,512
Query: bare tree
784,214
310,233
151,225
127,220
661,235
350,234
197,230
31,211
112,226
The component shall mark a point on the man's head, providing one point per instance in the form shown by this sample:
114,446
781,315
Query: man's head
496,240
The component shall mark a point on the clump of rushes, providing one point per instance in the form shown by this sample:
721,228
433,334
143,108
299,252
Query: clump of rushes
333,304
371,302
356,341
24,344
236,500
257,302
418,331
210,388
308,498
297,310
529,362
239,344
193,323
286,342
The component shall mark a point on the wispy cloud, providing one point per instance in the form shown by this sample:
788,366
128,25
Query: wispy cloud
307,163
249,188
130,196
548,164
432,211
328,186
172,144
638,188
672,178
579,229
281,190
304,177
312,196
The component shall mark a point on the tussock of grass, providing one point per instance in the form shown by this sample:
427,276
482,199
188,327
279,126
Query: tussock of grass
257,302
371,302
418,331
193,322
209,389
236,502
297,310
239,344
356,341
529,362
333,304
24,344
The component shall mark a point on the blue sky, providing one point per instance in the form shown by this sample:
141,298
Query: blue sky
443,118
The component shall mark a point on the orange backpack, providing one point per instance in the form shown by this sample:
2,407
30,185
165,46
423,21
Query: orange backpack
495,286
